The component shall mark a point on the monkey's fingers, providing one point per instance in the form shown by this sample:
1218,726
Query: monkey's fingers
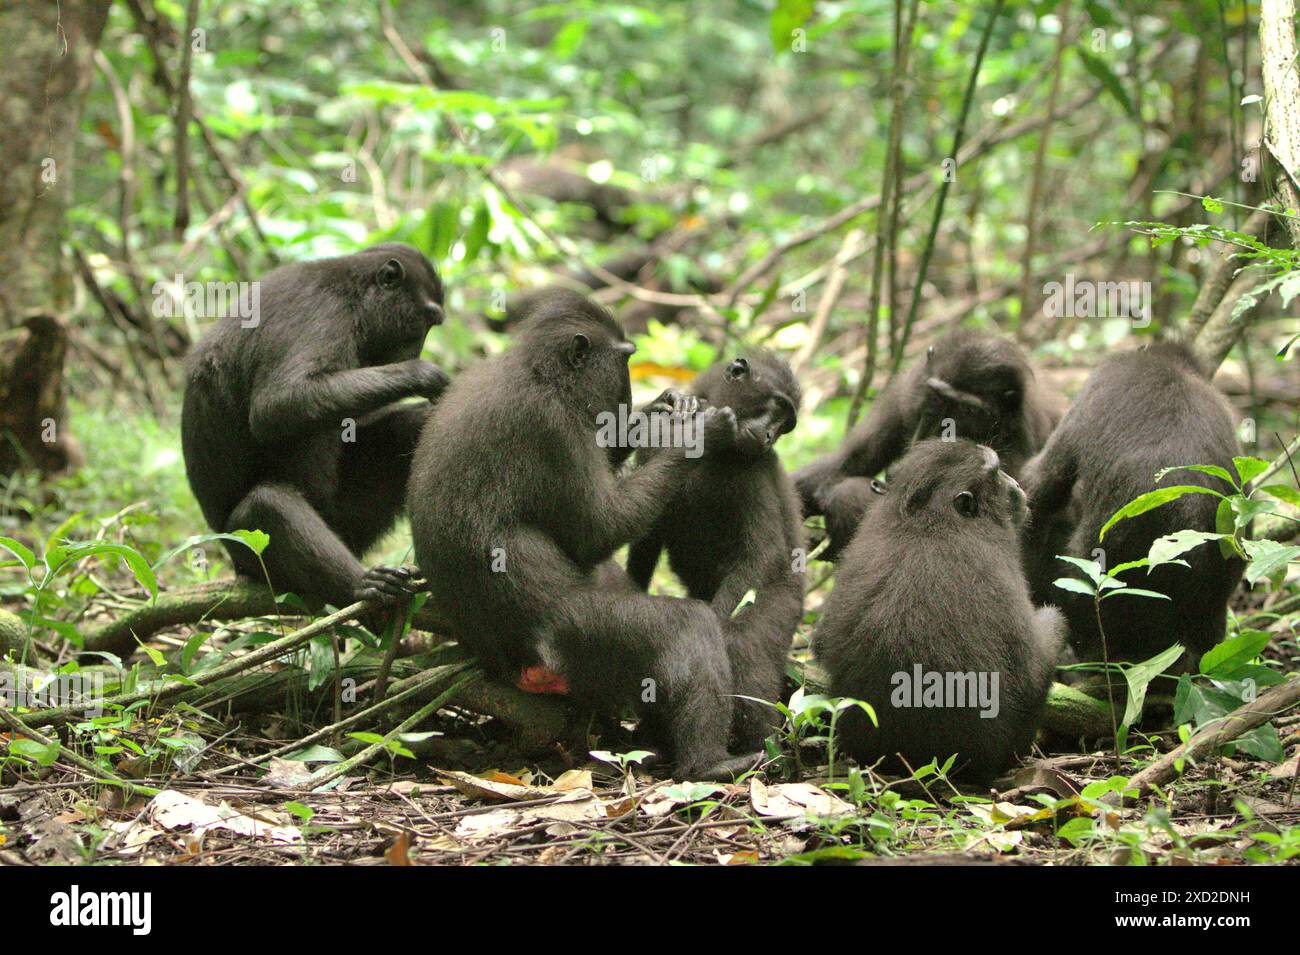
388,584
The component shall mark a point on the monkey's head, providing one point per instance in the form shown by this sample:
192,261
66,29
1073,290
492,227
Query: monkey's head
573,344
974,387
762,391
401,299
941,482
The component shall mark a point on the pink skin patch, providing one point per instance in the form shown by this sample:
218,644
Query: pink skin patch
538,679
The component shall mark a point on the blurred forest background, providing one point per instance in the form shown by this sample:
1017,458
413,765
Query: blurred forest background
727,162
840,181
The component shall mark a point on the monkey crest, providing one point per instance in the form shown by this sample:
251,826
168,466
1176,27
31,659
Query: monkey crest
762,391
939,481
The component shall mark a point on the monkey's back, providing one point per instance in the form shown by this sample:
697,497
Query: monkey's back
1140,412
482,482
950,603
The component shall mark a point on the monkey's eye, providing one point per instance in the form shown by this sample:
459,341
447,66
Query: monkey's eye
877,487
737,369
391,272
1010,396
964,504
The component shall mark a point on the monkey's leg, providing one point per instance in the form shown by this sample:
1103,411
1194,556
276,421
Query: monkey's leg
305,555
374,473
664,654
758,642
643,557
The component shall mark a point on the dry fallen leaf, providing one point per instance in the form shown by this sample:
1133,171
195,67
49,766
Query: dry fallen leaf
791,799
175,810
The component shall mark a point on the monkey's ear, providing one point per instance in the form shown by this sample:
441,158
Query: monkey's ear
737,369
965,504
391,272
578,350
878,487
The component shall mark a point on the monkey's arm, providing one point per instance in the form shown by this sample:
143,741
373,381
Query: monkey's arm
874,443
1048,480
302,402
618,511
643,557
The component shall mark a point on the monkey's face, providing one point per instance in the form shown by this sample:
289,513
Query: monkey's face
947,481
972,392
759,393
404,293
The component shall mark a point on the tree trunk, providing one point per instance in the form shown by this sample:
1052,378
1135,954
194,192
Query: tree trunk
48,62
1277,46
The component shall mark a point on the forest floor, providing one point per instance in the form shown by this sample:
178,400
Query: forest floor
459,792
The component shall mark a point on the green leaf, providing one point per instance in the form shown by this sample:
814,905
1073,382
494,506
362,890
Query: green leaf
1212,469
1074,585
1211,205
1267,558
1089,567
1150,501
1288,495
1109,81
1250,468
1135,592
1139,677
1225,659
789,15
25,556
745,601
1165,549
570,37
40,753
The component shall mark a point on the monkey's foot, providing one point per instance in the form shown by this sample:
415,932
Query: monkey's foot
388,584
726,770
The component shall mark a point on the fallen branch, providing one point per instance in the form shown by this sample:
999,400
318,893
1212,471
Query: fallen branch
1272,702
218,600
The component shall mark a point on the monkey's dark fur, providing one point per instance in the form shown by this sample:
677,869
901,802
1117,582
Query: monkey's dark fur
983,383
265,412
845,503
509,470
933,577
1139,412
734,525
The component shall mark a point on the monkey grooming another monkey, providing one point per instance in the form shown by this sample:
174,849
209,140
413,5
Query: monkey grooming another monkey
971,385
515,508
1139,412
930,619
733,525
293,422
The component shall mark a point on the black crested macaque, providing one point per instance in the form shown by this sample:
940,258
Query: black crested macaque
1139,412
931,623
971,385
293,421
845,503
733,525
515,508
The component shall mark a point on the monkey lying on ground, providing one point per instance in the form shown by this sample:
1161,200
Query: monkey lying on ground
515,508
1139,412
292,423
972,385
733,525
930,620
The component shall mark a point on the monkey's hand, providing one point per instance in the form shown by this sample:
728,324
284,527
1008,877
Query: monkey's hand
717,428
427,379
388,585
675,402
